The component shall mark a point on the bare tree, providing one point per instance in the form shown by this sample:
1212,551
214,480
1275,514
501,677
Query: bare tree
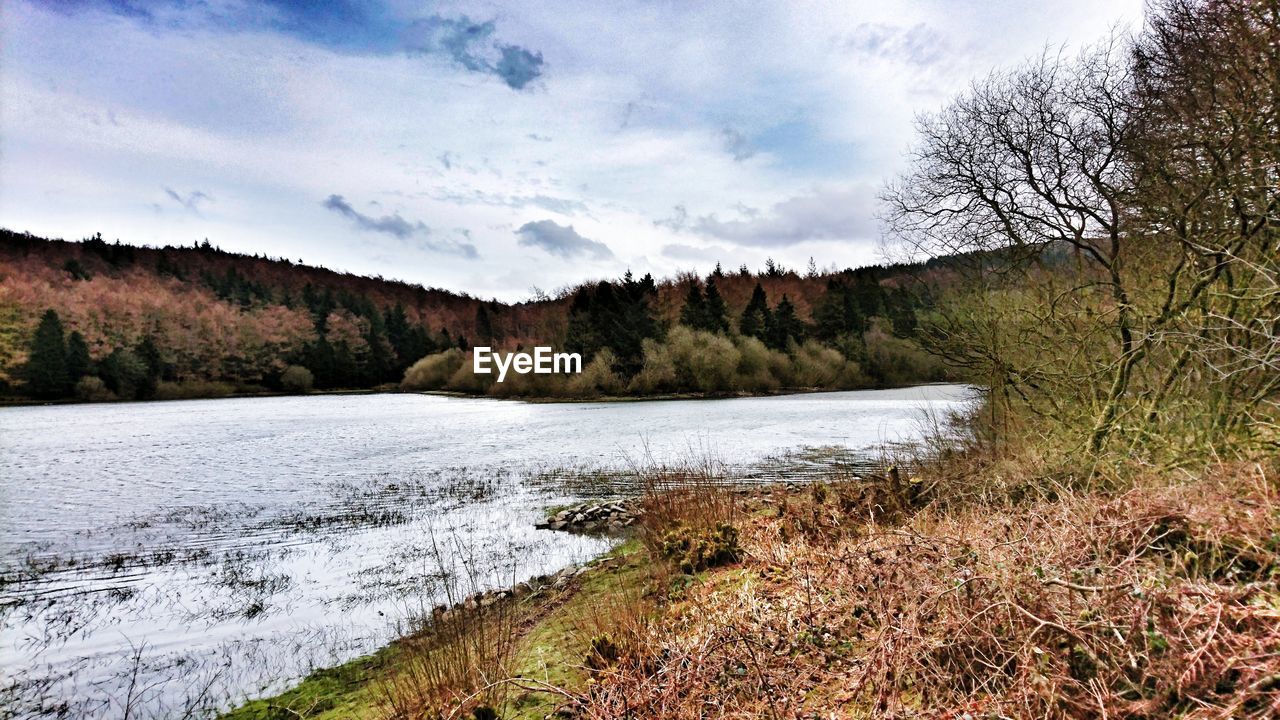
1117,211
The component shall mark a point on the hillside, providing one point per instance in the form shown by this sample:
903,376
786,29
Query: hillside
195,321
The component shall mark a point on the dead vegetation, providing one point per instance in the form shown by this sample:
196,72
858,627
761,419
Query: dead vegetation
1158,602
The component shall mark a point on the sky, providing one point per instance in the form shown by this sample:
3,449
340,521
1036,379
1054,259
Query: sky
498,149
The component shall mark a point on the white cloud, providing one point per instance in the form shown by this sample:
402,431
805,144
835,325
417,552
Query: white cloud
793,110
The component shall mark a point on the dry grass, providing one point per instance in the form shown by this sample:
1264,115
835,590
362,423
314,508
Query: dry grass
851,602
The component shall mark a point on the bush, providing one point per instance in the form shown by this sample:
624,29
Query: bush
757,365
689,361
597,378
192,390
895,361
464,380
818,366
433,372
297,379
698,549
90,388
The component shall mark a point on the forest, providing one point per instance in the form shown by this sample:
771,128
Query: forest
97,320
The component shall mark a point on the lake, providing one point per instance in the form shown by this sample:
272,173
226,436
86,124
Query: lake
211,551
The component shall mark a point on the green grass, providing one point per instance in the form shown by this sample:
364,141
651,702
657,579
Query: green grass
345,691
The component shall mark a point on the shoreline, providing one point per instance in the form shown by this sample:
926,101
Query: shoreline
17,402
847,594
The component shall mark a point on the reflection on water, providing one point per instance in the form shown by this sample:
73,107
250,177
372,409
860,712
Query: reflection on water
186,555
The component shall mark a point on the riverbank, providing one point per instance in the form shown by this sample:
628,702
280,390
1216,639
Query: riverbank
855,598
13,401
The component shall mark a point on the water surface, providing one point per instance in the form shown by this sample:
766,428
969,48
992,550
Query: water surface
221,549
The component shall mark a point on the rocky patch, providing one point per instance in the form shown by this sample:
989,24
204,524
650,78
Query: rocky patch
594,517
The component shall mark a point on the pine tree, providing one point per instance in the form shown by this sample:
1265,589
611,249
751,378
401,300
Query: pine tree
46,369
900,306
783,325
715,312
837,314
79,363
149,353
694,312
754,316
617,316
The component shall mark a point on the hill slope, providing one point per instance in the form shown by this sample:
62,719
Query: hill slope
197,321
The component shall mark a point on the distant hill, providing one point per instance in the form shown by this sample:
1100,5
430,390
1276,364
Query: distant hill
196,320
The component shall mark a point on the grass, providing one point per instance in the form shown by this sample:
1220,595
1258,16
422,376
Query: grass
345,691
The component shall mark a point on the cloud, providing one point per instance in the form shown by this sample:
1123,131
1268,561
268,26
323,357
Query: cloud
401,228
678,221
191,201
555,204
518,67
917,45
561,240
680,251
471,45
736,144
824,215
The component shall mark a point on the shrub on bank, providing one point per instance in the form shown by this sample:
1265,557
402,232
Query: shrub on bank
433,372
695,361
192,390
91,388
297,379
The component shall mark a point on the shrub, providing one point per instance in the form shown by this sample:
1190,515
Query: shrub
297,379
694,549
756,365
90,388
192,389
703,361
658,371
895,361
597,378
433,372
464,380
819,366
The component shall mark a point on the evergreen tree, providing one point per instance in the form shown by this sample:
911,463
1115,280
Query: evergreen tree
755,315
783,325
379,361
694,312
901,308
46,369
484,325
715,311
617,316
155,369
317,356
868,293
346,369
124,373
837,314
79,363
